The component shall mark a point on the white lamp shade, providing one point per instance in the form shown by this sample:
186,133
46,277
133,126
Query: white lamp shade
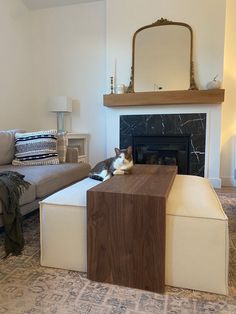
60,104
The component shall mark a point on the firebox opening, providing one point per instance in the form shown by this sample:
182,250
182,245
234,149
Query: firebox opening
163,150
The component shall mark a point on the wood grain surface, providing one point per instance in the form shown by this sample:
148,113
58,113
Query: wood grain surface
126,228
213,96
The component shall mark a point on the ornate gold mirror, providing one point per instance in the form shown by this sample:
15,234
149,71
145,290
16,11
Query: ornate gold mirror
162,57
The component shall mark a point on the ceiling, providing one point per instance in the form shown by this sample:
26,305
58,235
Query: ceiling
42,4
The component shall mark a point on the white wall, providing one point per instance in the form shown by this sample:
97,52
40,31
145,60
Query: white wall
15,66
229,107
69,59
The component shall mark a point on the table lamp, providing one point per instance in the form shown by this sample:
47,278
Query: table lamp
60,105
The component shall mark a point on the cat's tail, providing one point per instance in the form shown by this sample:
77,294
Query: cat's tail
95,177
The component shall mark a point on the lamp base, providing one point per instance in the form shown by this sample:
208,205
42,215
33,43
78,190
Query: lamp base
60,122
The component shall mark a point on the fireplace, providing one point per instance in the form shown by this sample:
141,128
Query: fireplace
169,139
163,150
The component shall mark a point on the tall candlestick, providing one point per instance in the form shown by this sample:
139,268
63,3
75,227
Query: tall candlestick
112,85
115,76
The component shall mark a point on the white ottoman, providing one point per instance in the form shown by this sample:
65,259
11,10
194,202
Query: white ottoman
196,233
63,227
197,245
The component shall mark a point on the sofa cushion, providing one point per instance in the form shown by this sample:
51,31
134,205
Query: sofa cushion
7,146
36,148
51,178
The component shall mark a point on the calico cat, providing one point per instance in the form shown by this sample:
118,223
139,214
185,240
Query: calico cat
120,164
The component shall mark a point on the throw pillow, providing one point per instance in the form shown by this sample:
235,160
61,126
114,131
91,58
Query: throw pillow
36,148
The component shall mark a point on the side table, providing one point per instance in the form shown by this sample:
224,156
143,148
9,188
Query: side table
81,142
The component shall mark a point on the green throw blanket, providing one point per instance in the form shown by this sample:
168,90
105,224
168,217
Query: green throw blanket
12,185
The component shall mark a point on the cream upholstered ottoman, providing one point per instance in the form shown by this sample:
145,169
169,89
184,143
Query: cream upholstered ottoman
63,227
196,233
196,237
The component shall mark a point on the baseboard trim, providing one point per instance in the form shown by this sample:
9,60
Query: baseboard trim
216,182
228,181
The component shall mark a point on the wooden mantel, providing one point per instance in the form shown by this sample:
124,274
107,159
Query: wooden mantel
180,97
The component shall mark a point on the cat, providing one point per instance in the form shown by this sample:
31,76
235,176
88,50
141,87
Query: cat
120,164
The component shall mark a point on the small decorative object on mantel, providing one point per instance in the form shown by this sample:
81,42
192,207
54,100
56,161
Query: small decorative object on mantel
120,89
156,87
214,84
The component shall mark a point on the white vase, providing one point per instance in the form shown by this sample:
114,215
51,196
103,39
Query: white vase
120,89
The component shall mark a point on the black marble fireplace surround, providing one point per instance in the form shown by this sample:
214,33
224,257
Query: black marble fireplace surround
172,137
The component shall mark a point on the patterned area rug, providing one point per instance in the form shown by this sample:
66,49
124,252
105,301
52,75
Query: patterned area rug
26,287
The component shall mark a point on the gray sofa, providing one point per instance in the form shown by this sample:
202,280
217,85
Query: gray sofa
44,180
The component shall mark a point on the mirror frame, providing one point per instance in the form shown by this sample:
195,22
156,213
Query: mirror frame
163,22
